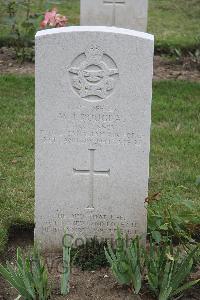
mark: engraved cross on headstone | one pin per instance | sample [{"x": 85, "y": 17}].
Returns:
[
  {"x": 114, "y": 3},
  {"x": 91, "y": 172}
]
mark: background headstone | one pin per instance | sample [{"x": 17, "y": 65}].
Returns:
[
  {"x": 132, "y": 14},
  {"x": 93, "y": 116}
]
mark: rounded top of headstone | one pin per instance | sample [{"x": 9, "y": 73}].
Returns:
[{"x": 105, "y": 29}]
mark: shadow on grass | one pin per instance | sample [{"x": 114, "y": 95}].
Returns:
[{"x": 19, "y": 235}]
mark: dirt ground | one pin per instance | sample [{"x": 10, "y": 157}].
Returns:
[
  {"x": 164, "y": 67},
  {"x": 84, "y": 285}
]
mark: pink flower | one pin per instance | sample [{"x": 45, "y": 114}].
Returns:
[
  {"x": 60, "y": 20},
  {"x": 52, "y": 19},
  {"x": 49, "y": 18}
]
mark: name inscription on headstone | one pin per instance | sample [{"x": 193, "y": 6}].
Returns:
[{"x": 97, "y": 126}]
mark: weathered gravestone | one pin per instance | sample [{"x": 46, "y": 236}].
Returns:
[
  {"x": 93, "y": 115},
  {"x": 131, "y": 14}
]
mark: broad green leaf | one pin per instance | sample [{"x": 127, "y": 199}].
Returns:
[
  {"x": 184, "y": 287},
  {"x": 10, "y": 276},
  {"x": 156, "y": 236}
]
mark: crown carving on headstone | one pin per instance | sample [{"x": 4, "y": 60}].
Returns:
[{"x": 94, "y": 53}]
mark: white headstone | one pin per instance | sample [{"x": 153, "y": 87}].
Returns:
[
  {"x": 132, "y": 14},
  {"x": 93, "y": 116}
]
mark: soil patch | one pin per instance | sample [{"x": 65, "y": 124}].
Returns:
[
  {"x": 84, "y": 285},
  {"x": 164, "y": 67},
  {"x": 183, "y": 69},
  {"x": 9, "y": 65}
]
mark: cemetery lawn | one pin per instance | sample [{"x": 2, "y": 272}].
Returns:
[
  {"x": 174, "y": 23},
  {"x": 175, "y": 155}
]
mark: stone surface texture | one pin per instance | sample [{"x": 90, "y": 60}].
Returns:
[
  {"x": 93, "y": 117},
  {"x": 132, "y": 14}
]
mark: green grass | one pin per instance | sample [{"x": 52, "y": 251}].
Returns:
[
  {"x": 175, "y": 155},
  {"x": 175, "y": 142},
  {"x": 174, "y": 23},
  {"x": 16, "y": 152}
]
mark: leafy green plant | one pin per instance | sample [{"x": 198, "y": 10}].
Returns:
[
  {"x": 177, "y": 53},
  {"x": 195, "y": 57},
  {"x": 172, "y": 217},
  {"x": 66, "y": 266},
  {"x": 24, "y": 19},
  {"x": 167, "y": 270},
  {"x": 23, "y": 25},
  {"x": 126, "y": 262},
  {"x": 189, "y": 248},
  {"x": 29, "y": 277}
]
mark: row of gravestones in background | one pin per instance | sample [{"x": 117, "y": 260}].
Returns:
[{"x": 132, "y": 14}]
